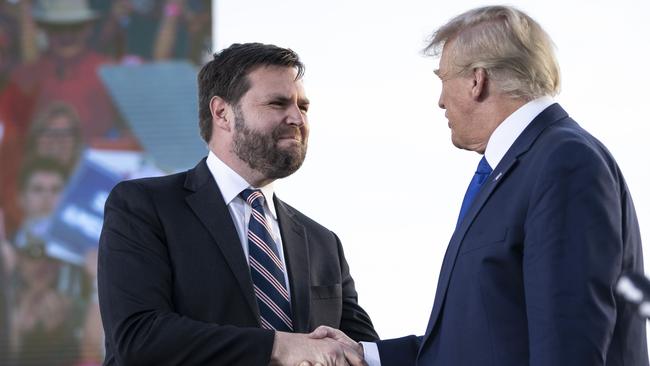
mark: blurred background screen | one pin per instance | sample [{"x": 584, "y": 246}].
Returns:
[{"x": 91, "y": 92}]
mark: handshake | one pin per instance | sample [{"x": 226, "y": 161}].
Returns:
[{"x": 324, "y": 346}]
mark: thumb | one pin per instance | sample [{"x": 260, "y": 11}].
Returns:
[{"x": 319, "y": 333}]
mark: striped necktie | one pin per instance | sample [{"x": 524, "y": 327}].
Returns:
[
  {"x": 483, "y": 170},
  {"x": 267, "y": 270}
]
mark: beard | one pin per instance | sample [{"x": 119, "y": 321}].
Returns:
[{"x": 261, "y": 151}]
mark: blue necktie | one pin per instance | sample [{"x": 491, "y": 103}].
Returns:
[
  {"x": 482, "y": 172},
  {"x": 267, "y": 270}
]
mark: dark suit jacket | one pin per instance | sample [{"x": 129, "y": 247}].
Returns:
[
  {"x": 175, "y": 287},
  {"x": 529, "y": 275}
]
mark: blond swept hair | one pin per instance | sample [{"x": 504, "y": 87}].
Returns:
[{"x": 515, "y": 51}]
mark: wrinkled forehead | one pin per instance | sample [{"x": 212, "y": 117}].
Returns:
[
  {"x": 448, "y": 64},
  {"x": 443, "y": 68}
]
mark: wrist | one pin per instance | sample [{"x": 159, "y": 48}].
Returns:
[{"x": 279, "y": 348}]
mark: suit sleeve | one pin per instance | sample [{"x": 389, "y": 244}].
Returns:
[
  {"x": 572, "y": 256},
  {"x": 355, "y": 322},
  {"x": 135, "y": 281},
  {"x": 399, "y": 351}
]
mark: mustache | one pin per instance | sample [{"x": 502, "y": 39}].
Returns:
[{"x": 284, "y": 131}]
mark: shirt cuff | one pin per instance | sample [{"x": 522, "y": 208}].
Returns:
[{"x": 371, "y": 353}]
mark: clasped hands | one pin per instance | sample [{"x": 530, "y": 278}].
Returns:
[{"x": 325, "y": 346}]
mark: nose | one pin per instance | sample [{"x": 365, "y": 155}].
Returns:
[
  {"x": 441, "y": 104},
  {"x": 297, "y": 117}
]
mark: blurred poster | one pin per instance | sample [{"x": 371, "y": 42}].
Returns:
[
  {"x": 68, "y": 135},
  {"x": 77, "y": 222},
  {"x": 159, "y": 103}
]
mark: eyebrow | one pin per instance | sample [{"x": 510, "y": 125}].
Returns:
[{"x": 284, "y": 99}]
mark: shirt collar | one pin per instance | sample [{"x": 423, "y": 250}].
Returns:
[
  {"x": 509, "y": 130},
  {"x": 232, "y": 184}
]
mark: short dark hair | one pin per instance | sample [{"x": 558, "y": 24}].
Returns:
[
  {"x": 39, "y": 165},
  {"x": 226, "y": 76}
]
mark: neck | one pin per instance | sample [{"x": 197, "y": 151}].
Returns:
[
  {"x": 252, "y": 176},
  {"x": 497, "y": 111},
  {"x": 508, "y": 106}
]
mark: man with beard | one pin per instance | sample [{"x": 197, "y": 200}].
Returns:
[{"x": 209, "y": 266}]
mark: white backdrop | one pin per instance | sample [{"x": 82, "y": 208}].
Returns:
[{"x": 381, "y": 171}]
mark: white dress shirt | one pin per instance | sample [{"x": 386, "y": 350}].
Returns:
[
  {"x": 499, "y": 143},
  {"x": 231, "y": 185},
  {"x": 507, "y": 132}
]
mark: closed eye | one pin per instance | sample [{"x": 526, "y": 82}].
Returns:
[{"x": 278, "y": 103}]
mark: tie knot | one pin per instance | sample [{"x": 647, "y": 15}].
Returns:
[
  {"x": 254, "y": 197},
  {"x": 483, "y": 167}
]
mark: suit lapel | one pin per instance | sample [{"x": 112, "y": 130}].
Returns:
[
  {"x": 294, "y": 241},
  {"x": 523, "y": 143},
  {"x": 454, "y": 244},
  {"x": 207, "y": 203}
]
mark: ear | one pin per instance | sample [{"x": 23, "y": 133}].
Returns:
[
  {"x": 219, "y": 109},
  {"x": 480, "y": 84}
]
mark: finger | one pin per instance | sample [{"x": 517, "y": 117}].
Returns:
[
  {"x": 335, "y": 334},
  {"x": 320, "y": 332},
  {"x": 340, "y": 337},
  {"x": 305, "y": 363},
  {"x": 342, "y": 362},
  {"x": 354, "y": 356}
]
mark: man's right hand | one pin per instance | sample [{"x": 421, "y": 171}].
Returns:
[
  {"x": 301, "y": 349},
  {"x": 352, "y": 349}
]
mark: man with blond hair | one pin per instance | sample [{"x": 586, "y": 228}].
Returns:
[{"x": 546, "y": 227}]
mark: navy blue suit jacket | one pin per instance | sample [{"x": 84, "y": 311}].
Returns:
[{"x": 529, "y": 274}]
